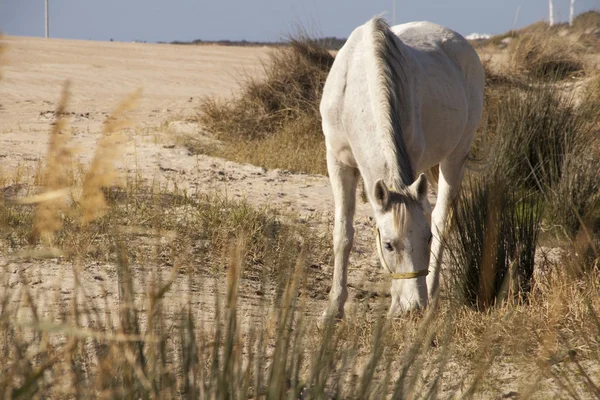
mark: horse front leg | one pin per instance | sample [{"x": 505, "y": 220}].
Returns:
[
  {"x": 343, "y": 184},
  {"x": 449, "y": 181}
]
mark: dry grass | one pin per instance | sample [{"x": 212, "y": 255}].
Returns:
[
  {"x": 275, "y": 122},
  {"x": 81, "y": 347},
  {"x": 542, "y": 167},
  {"x": 295, "y": 148},
  {"x": 591, "y": 94},
  {"x": 56, "y": 177},
  {"x": 545, "y": 145},
  {"x": 587, "y": 22},
  {"x": 504, "y": 39},
  {"x": 101, "y": 172},
  {"x": 545, "y": 55}
]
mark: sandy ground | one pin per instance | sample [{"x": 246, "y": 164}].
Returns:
[{"x": 173, "y": 79}]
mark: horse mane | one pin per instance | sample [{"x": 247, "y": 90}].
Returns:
[{"x": 391, "y": 81}]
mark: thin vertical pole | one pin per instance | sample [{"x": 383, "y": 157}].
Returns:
[
  {"x": 571, "y": 12},
  {"x": 516, "y": 17},
  {"x": 47, "y": 21},
  {"x": 551, "y": 12}
]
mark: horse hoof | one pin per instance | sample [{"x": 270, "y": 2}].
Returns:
[{"x": 329, "y": 318}]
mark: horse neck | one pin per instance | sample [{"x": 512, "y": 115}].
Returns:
[{"x": 389, "y": 90}]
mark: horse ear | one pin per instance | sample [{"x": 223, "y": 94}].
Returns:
[
  {"x": 419, "y": 188},
  {"x": 382, "y": 194}
]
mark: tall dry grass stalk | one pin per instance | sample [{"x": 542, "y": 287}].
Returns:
[
  {"x": 58, "y": 179},
  {"x": 57, "y": 176},
  {"x": 101, "y": 172}
]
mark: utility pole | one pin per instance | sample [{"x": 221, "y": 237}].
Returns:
[
  {"x": 551, "y": 12},
  {"x": 47, "y": 21},
  {"x": 516, "y": 17},
  {"x": 571, "y": 12}
]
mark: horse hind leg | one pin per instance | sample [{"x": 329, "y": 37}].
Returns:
[{"x": 344, "y": 180}]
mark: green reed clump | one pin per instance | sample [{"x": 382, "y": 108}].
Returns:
[{"x": 493, "y": 242}]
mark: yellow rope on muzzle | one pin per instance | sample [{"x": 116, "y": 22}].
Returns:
[{"x": 397, "y": 275}]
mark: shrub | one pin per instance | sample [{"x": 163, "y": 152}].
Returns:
[
  {"x": 284, "y": 106},
  {"x": 541, "y": 163},
  {"x": 591, "y": 97},
  {"x": 544, "y": 142},
  {"x": 587, "y": 22},
  {"x": 536, "y": 128},
  {"x": 575, "y": 199},
  {"x": 545, "y": 55},
  {"x": 295, "y": 76},
  {"x": 493, "y": 242}
]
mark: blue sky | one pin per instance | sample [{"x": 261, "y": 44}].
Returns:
[{"x": 260, "y": 20}]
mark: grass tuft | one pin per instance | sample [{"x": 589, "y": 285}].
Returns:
[
  {"x": 544, "y": 55},
  {"x": 493, "y": 243},
  {"x": 275, "y": 122},
  {"x": 542, "y": 170}
]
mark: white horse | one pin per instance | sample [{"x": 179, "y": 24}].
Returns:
[{"x": 397, "y": 101}]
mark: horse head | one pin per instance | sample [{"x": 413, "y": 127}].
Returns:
[{"x": 404, "y": 241}]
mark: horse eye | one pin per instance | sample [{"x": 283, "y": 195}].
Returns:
[{"x": 388, "y": 246}]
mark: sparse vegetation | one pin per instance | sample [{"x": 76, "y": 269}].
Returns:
[
  {"x": 591, "y": 94},
  {"x": 198, "y": 296},
  {"x": 575, "y": 199}
]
